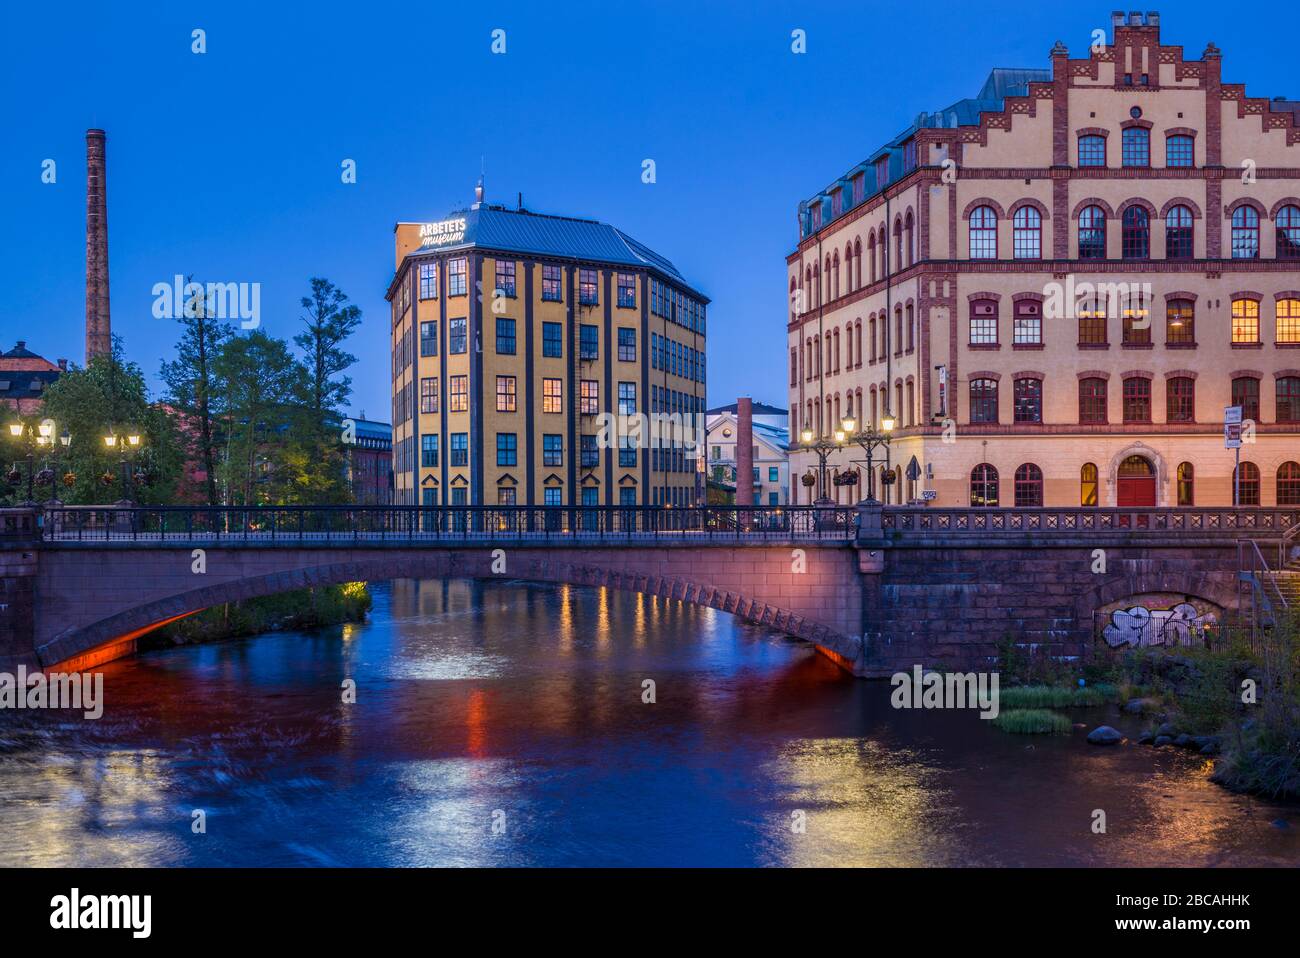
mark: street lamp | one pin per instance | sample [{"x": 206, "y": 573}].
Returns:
[
  {"x": 126, "y": 446},
  {"x": 40, "y": 437},
  {"x": 823, "y": 448},
  {"x": 871, "y": 439}
]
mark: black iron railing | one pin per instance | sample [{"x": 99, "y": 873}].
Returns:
[{"x": 271, "y": 524}]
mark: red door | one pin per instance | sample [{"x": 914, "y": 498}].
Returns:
[{"x": 1136, "y": 483}]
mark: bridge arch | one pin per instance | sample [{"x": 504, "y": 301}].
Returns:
[{"x": 738, "y": 591}]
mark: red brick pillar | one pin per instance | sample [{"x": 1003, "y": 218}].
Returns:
[
  {"x": 99, "y": 338},
  {"x": 744, "y": 451}
]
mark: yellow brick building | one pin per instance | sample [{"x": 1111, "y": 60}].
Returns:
[
  {"x": 1057, "y": 287},
  {"x": 525, "y": 347}
]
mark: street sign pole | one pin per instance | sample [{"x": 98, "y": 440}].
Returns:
[{"x": 1232, "y": 440}]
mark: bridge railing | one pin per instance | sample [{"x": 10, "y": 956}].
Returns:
[
  {"x": 289, "y": 524},
  {"x": 1253, "y": 522}
]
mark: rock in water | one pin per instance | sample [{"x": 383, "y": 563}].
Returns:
[
  {"x": 1104, "y": 735},
  {"x": 1161, "y": 740}
]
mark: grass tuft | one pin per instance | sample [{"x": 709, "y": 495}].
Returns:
[{"x": 1032, "y": 722}]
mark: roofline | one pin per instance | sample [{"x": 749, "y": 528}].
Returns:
[{"x": 540, "y": 257}]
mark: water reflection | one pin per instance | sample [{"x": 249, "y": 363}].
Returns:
[{"x": 503, "y": 723}]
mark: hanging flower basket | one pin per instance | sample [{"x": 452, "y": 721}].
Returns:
[
  {"x": 106, "y": 479},
  {"x": 809, "y": 479},
  {"x": 69, "y": 479},
  {"x": 13, "y": 475},
  {"x": 45, "y": 477}
]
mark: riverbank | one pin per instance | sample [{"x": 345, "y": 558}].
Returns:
[
  {"x": 1237, "y": 703},
  {"x": 301, "y": 609}
]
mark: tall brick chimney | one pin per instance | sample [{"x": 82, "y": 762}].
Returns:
[
  {"x": 744, "y": 451},
  {"x": 99, "y": 336}
]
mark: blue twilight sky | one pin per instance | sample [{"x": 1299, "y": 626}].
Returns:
[{"x": 227, "y": 165}]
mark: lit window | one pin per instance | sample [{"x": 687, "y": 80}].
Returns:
[
  {"x": 1245, "y": 321},
  {"x": 506, "y": 398},
  {"x": 458, "y": 394},
  {"x": 1088, "y": 484},
  {"x": 589, "y": 397},
  {"x": 984, "y": 486},
  {"x": 1180, "y": 322},
  {"x": 552, "y": 395},
  {"x": 1288, "y": 320}
]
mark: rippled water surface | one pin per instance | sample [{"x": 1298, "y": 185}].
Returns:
[{"x": 521, "y": 706}]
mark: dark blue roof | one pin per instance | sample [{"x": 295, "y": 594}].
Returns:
[
  {"x": 563, "y": 237},
  {"x": 1002, "y": 82}
]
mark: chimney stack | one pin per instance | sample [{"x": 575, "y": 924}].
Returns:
[
  {"x": 99, "y": 337},
  {"x": 744, "y": 451}
]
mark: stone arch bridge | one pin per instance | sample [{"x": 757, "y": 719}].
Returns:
[{"x": 876, "y": 589}]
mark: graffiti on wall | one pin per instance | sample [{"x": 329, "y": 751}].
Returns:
[{"x": 1145, "y": 623}]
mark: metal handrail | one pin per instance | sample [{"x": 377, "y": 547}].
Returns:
[
  {"x": 1282, "y": 544},
  {"x": 1258, "y": 563}
]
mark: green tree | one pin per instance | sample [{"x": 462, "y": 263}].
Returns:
[
  {"x": 263, "y": 390},
  {"x": 330, "y": 320},
  {"x": 108, "y": 396},
  {"x": 190, "y": 387}
]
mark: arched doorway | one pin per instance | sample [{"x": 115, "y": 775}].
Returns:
[{"x": 1135, "y": 483}]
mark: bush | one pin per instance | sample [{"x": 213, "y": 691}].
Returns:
[
  {"x": 301, "y": 609},
  {"x": 1056, "y": 696},
  {"x": 1032, "y": 722}
]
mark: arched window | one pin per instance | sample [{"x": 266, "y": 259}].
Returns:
[
  {"x": 984, "y": 486},
  {"x": 1180, "y": 399},
  {"x": 857, "y": 262},
  {"x": 898, "y": 246},
  {"x": 858, "y": 355},
  {"x": 1186, "y": 484},
  {"x": 1137, "y": 319},
  {"x": 871, "y": 253},
  {"x": 871, "y": 329},
  {"x": 1088, "y": 484},
  {"x": 794, "y": 301},
  {"x": 1288, "y": 232},
  {"x": 1136, "y": 147},
  {"x": 1092, "y": 150},
  {"x": 1247, "y": 484},
  {"x": 1029, "y": 486},
  {"x": 1180, "y": 322},
  {"x": 907, "y": 226},
  {"x": 1136, "y": 235},
  {"x": 983, "y": 233},
  {"x": 1178, "y": 150},
  {"x": 1178, "y": 233},
  {"x": 1092, "y": 233},
  {"x": 983, "y": 400},
  {"x": 911, "y": 403},
  {"x": 835, "y": 351},
  {"x": 1288, "y": 320},
  {"x": 1245, "y": 233},
  {"x": 1027, "y": 233},
  {"x": 848, "y": 346},
  {"x": 1092, "y": 401},
  {"x": 835, "y": 268},
  {"x": 817, "y": 284},
  {"x": 1288, "y": 484},
  {"x": 1288, "y": 399},
  {"x": 911, "y": 328}
]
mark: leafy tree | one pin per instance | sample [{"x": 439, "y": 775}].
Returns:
[
  {"x": 329, "y": 321},
  {"x": 109, "y": 395},
  {"x": 263, "y": 392},
  {"x": 190, "y": 387}
]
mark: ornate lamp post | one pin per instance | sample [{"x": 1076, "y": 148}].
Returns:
[
  {"x": 126, "y": 446},
  {"x": 871, "y": 439},
  {"x": 823, "y": 447},
  {"x": 37, "y": 438}
]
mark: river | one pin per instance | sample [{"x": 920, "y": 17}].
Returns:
[{"x": 504, "y": 723}]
